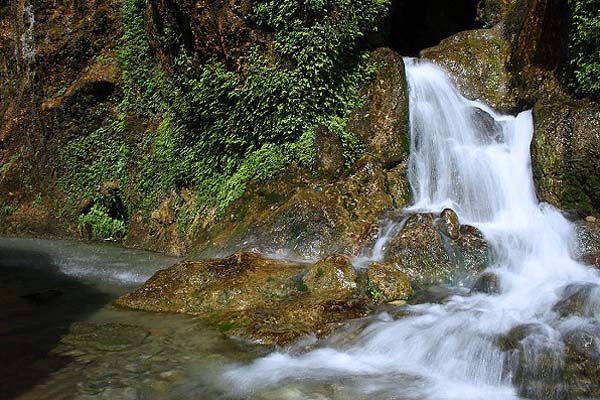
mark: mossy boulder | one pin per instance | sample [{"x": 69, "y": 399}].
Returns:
[
  {"x": 265, "y": 300},
  {"x": 386, "y": 283},
  {"x": 382, "y": 123},
  {"x": 477, "y": 61},
  {"x": 427, "y": 256},
  {"x": 332, "y": 274},
  {"x": 566, "y": 155}
]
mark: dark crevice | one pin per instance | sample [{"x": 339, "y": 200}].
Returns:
[{"x": 416, "y": 25}]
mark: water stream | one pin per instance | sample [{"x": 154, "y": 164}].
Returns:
[{"x": 476, "y": 161}]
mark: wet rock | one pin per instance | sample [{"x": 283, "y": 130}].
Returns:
[
  {"x": 487, "y": 282},
  {"x": 450, "y": 225},
  {"x": 512, "y": 339},
  {"x": 566, "y": 155},
  {"x": 312, "y": 219},
  {"x": 330, "y": 153},
  {"x": 477, "y": 60},
  {"x": 582, "y": 300},
  {"x": 534, "y": 360},
  {"x": 582, "y": 363},
  {"x": 588, "y": 242},
  {"x": 386, "y": 283},
  {"x": 429, "y": 257},
  {"x": 334, "y": 273},
  {"x": 382, "y": 123},
  {"x": 269, "y": 301}
]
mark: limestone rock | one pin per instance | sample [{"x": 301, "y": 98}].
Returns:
[
  {"x": 269, "y": 301},
  {"x": 477, "y": 60}
]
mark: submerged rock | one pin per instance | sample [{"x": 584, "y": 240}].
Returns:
[{"x": 487, "y": 282}]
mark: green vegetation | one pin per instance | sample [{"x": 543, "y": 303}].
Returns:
[
  {"x": 202, "y": 126},
  {"x": 7, "y": 209},
  {"x": 101, "y": 224},
  {"x": 585, "y": 46}
]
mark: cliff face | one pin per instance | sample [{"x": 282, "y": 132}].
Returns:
[
  {"x": 59, "y": 80},
  {"x": 195, "y": 122}
]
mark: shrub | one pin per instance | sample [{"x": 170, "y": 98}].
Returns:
[
  {"x": 585, "y": 46},
  {"x": 102, "y": 225}
]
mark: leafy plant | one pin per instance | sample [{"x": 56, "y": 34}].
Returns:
[
  {"x": 211, "y": 129},
  {"x": 585, "y": 46},
  {"x": 101, "y": 224}
]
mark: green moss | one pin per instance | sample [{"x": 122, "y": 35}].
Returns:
[{"x": 214, "y": 130}]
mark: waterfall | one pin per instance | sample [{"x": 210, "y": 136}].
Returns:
[
  {"x": 25, "y": 42},
  {"x": 476, "y": 161}
]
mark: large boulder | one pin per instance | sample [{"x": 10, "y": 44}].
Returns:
[
  {"x": 266, "y": 300},
  {"x": 477, "y": 61},
  {"x": 428, "y": 256},
  {"x": 382, "y": 123},
  {"x": 566, "y": 155}
]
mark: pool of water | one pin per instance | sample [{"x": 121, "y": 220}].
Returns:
[{"x": 61, "y": 338}]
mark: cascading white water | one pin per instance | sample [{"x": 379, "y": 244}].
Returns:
[{"x": 467, "y": 157}]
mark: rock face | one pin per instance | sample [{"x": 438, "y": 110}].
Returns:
[
  {"x": 428, "y": 256},
  {"x": 477, "y": 60},
  {"x": 566, "y": 155},
  {"x": 382, "y": 123},
  {"x": 270, "y": 301},
  {"x": 312, "y": 218}
]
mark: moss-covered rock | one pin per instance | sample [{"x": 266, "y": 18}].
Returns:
[
  {"x": 428, "y": 256},
  {"x": 382, "y": 123},
  {"x": 385, "y": 283},
  {"x": 332, "y": 274},
  {"x": 566, "y": 155},
  {"x": 270, "y": 301},
  {"x": 477, "y": 60}
]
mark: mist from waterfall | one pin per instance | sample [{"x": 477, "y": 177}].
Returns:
[{"x": 467, "y": 157}]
